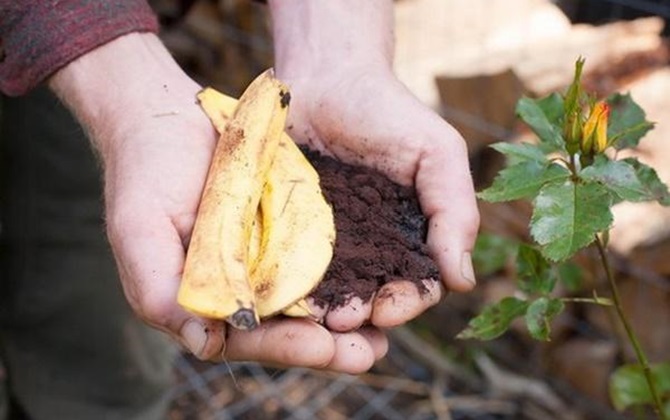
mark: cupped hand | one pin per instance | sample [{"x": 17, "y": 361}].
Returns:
[
  {"x": 156, "y": 144},
  {"x": 153, "y": 192},
  {"x": 365, "y": 116}
]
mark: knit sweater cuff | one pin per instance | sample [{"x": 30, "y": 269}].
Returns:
[{"x": 38, "y": 37}]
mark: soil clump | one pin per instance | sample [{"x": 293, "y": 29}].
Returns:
[{"x": 381, "y": 233}]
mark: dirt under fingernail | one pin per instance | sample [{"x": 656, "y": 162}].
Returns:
[{"x": 381, "y": 233}]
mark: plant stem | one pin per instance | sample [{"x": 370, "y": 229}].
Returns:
[
  {"x": 572, "y": 166},
  {"x": 599, "y": 301},
  {"x": 639, "y": 353}
]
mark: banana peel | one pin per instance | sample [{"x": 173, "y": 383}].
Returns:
[
  {"x": 299, "y": 309},
  {"x": 290, "y": 237},
  {"x": 298, "y": 232},
  {"x": 215, "y": 282}
]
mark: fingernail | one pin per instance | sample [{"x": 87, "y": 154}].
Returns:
[
  {"x": 467, "y": 271},
  {"x": 194, "y": 336}
]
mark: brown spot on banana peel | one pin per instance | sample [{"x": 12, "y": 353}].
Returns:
[
  {"x": 262, "y": 288},
  {"x": 285, "y": 98},
  {"x": 288, "y": 199}
]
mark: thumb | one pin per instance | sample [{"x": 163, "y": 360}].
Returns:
[
  {"x": 447, "y": 197},
  {"x": 150, "y": 258}
]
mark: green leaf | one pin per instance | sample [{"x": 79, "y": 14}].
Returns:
[
  {"x": 571, "y": 275},
  {"x": 520, "y": 152},
  {"x": 494, "y": 319},
  {"x": 618, "y": 176},
  {"x": 539, "y": 316},
  {"x": 534, "y": 272},
  {"x": 491, "y": 253},
  {"x": 541, "y": 117},
  {"x": 655, "y": 188},
  {"x": 628, "y": 386},
  {"x": 553, "y": 108},
  {"x": 627, "y": 122},
  {"x": 567, "y": 216},
  {"x": 523, "y": 180}
]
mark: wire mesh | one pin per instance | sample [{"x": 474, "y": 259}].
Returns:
[{"x": 248, "y": 390}]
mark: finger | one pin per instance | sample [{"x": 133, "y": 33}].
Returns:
[
  {"x": 350, "y": 316},
  {"x": 285, "y": 342},
  {"x": 353, "y": 353},
  {"x": 150, "y": 257},
  {"x": 400, "y": 301},
  {"x": 377, "y": 339},
  {"x": 205, "y": 339},
  {"x": 447, "y": 197},
  {"x": 319, "y": 309}
]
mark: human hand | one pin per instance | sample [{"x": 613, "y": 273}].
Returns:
[
  {"x": 336, "y": 58},
  {"x": 156, "y": 145}
]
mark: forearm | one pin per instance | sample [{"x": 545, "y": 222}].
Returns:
[
  {"x": 313, "y": 37},
  {"x": 120, "y": 83}
]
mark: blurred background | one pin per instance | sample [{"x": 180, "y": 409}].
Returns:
[{"x": 471, "y": 61}]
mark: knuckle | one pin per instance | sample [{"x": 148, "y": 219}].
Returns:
[
  {"x": 120, "y": 222},
  {"x": 471, "y": 223},
  {"x": 154, "y": 308}
]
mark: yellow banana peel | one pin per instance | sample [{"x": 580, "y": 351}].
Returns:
[
  {"x": 298, "y": 232},
  {"x": 289, "y": 240},
  {"x": 215, "y": 283},
  {"x": 299, "y": 309}
]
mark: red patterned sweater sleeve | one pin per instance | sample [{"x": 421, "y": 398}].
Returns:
[{"x": 38, "y": 37}]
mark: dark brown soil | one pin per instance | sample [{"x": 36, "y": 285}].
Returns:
[{"x": 381, "y": 233}]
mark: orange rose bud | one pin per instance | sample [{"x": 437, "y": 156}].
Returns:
[
  {"x": 594, "y": 135},
  {"x": 601, "y": 129}
]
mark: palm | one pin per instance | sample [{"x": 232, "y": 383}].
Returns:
[
  {"x": 374, "y": 121},
  {"x": 153, "y": 186}
]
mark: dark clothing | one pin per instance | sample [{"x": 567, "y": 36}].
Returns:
[
  {"x": 38, "y": 37},
  {"x": 70, "y": 343},
  {"x": 70, "y": 346}
]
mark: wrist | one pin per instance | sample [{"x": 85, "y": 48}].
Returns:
[
  {"x": 314, "y": 38},
  {"x": 119, "y": 83}
]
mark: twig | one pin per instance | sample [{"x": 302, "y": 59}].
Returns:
[
  {"x": 594, "y": 300},
  {"x": 425, "y": 352},
  {"x": 404, "y": 385},
  {"x": 512, "y": 385},
  {"x": 470, "y": 404},
  {"x": 438, "y": 400},
  {"x": 375, "y": 380}
]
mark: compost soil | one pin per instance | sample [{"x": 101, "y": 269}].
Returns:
[{"x": 381, "y": 233}]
